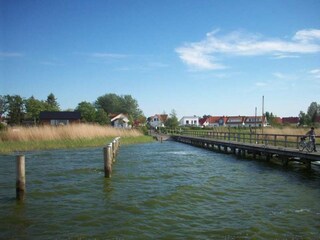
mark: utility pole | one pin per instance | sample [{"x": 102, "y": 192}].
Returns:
[
  {"x": 255, "y": 123},
  {"x": 262, "y": 120}
]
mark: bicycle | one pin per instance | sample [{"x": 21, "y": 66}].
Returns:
[{"x": 303, "y": 144}]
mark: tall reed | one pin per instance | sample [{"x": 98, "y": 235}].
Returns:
[{"x": 74, "y": 131}]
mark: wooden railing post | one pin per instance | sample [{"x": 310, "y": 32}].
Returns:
[
  {"x": 285, "y": 141},
  {"x": 21, "y": 178}
]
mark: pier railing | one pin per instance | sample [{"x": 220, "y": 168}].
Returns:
[{"x": 289, "y": 141}]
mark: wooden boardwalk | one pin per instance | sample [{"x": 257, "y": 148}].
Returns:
[{"x": 284, "y": 154}]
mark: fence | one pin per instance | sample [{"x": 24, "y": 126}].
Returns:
[{"x": 290, "y": 141}]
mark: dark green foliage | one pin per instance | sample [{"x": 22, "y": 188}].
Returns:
[
  {"x": 88, "y": 112},
  {"x": 114, "y": 104},
  {"x": 172, "y": 121}
]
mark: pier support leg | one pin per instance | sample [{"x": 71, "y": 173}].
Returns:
[
  {"x": 21, "y": 178},
  {"x": 285, "y": 161},
  {"x": 243, "y": 153},
  {"x": 268, "y": 157},
  {"x": 307, "y": 163}
]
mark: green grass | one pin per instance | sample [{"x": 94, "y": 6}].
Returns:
[{"x": 7, "y": 147}]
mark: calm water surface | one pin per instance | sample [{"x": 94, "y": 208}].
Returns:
[{"x": 158, "y": 191}]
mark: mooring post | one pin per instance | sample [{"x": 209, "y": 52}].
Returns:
[
  {"x": 118, "y": 144},
  {"x": 107, "y": 153},
  {"x": 21, "y": 178},
  {"x": 113, "y": 150}
]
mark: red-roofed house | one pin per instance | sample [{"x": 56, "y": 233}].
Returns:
[
  {"x": 235, "y": 121},
  {"x": 157, "y": 120},
  {"x": 215, "y": 121}
]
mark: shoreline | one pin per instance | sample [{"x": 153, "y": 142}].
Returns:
[{"x": 10, "y": 147}]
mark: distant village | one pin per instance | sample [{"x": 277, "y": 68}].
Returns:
[{"x": 159, "y": 120}]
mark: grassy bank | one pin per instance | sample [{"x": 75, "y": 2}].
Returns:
[
  {"x": 72, "y": 136},
  {"x": 20, "y": 146}
]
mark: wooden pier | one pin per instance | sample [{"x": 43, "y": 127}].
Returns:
[{"x": 245, "y": 149}]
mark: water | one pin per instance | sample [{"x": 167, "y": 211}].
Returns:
[{"x": 158, "y": 191}]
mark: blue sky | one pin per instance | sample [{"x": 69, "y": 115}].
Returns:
[{"x": 196, "y": 57}]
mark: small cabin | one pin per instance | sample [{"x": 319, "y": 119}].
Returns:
[
  {"x": 120, "y": 121},
  {"x": 59, "y": 118}
]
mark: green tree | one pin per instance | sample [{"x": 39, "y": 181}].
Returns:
[
  {"x": 33, "y": 108},
  {"x": 271, "y": 119},
  {"x": 15, "y": 109},
  {"x": 102, "y": 117},
  {"x": 303, "y": 119},
  {"x": 130, "y": 106},
  {"x": 3, "y": 105},
  {"x": 52, "y": 104},
  {"x": 313, "y": 112},
  {"x": 87, "y": 110},
  {"x": 172, "y": 121},
  {"x": 112, "y": 103}
]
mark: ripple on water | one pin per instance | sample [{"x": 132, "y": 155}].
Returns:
[{"x": 168, "y": 190}]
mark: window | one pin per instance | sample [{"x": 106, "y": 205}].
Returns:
[{"x": 59, "y": 122}]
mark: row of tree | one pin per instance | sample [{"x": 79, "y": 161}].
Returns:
[{"x": 17, "y": 109}]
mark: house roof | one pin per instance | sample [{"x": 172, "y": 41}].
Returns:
[
  {"x": 290, "y": 120},
  {"x": 257, "y": 118},
  {"x": 161, "y": 117},
  {"x": 120, "y": 116},
  {"x": 194, "y": 117},
  {"x": 215, "y": 119},
  {"x": 202, "y": 120},
  {"x": 234, "y": 119},
  {"x": 48, "y": 115}
]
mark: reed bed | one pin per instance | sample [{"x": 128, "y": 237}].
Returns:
[
  {"x": 69, "y": 132},
  {"x": 285, "y": 131}
]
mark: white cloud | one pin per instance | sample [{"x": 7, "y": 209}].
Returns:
[
  {"x": 307, "y": 35},
  {"x": 315, "y": 73},
  {"x": 203, "y": 54},
  {"x": 197, "y": 58}
]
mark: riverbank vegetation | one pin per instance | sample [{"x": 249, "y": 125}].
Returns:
[
  {"x": 17, "y": 110},
  {"x": 71, "y": 136}
]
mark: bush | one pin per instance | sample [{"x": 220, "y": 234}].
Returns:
[{"x": 3, "y": 127}]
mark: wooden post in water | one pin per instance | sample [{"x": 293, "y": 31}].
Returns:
[
  {"x": 107, "y": 153},
  {"x": 113, "y": 147},
  {"x": 21, "y": 178}
]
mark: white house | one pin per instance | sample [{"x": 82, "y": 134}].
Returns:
[
  {"x": 189, "y": 121},
  {"x": 255, "y": 121},
  {"x": 120, "y": 121},
  {"x": 157, "y": 120},
  {"x": 235, "y": 121}
]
